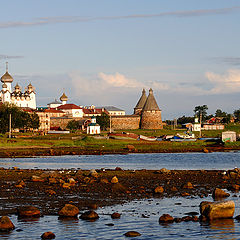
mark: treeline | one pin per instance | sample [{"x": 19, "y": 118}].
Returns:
[
  {"x": 19, "y": 119},
  {"x": 201, "y": 112}
]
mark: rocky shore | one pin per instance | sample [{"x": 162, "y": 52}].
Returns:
[
  {"x": 49, "y": 191},
  {"x": 10, "y": 152}
]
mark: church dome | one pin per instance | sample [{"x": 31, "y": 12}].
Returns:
[
  {"x": 7, "y": 78},
  {"x": 4, "y": 85},
  {"x": 64, "y": 97}
]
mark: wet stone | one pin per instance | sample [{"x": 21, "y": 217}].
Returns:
[
  {"x": 89, "y": 215},
  {"x": 68, "y": 210},
  {"x": 6, "y": 224},
  {"x": 115, "y": 215},
  {"x": 132, "y": 234},
  {"x": 166, "y": 218},
  {"x": 28, "y": 211},
  {"x": 48, "y": 235}
]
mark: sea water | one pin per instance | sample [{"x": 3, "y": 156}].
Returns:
[
  {"x": 132, "y": 213},
  {"x": 180, "y": 161}
]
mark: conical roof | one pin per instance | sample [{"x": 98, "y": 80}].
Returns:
[
  {"x": 142, "y": 100},
  {"x": 64, "y": 97},
  {"x": 151, "y": 103},
  {"x": 7, "y": 78}
]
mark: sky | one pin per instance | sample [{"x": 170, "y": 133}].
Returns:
[{"x": 104, "y": 52}]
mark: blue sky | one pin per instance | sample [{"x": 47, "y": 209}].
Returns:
[{"x": 103, "y": 52}]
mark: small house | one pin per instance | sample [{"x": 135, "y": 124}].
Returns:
[
  {"x": 229, "y": 136},
  {"x": 93, "y": 127}
]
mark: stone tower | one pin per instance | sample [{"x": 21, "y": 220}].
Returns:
[
  {"x": 151, "y": 114},
  {"x": 140, "y": 104}
]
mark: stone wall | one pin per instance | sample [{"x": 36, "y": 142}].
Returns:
[
  {"x": 151, "y": 120},
  {"x": 61, "y": 121},
  {"x": 125, "y": 122}
]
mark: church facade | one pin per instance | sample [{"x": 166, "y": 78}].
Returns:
[{"x": 24, "y": 99}]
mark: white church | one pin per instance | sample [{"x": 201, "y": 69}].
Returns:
[{"x": 18, "y": 97}]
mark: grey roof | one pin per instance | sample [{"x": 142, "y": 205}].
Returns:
[
  {"x": 112, "y": 108},
  {"x": 151, "y": 103},
  {"x": 142, "y": 100}
]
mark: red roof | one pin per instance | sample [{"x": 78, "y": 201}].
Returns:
[
  {"x": 68, "y": 106},
  {"x": 53, "y": 110}
]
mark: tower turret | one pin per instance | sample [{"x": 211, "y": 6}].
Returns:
[
  {"x": 140, "y": 103},
  {"x": 151, "y": 114}
]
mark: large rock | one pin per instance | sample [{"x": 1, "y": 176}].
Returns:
[
  {"x": 48, "y": 235},
  {"x": 115, "y": 215},
  {"x": 68, "y": 210},
  {"x": 28, "y": 211},
  {"x": 89, "y": 215},
  {"x": 159, "y": 189},
  {"x": 188, "y": 185},
  {"x": 6, "y": 224},
  {"x": 166, "y": 218},
  {"x": 217, "y": 210},
  {"x": 132, "y": 234},
  {"x": 219, "y": 193},
  {"x": 114, "y": 180}
]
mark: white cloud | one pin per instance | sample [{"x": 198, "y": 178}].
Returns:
[
  {"x": 119, "y": 80},
  {"x": 226, "y": 83}
]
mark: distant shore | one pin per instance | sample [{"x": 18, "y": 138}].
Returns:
[{"x": 59, "y": 151}]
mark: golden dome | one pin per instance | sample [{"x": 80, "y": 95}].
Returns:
[
  {"x": 7, "y": 78},
  {"x": 64, "y": 97}
]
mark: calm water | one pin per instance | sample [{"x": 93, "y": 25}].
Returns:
[
  {"x": 132, "y": 212},
  {"x": 179, "y": 161},
  {"x": 130, "y": 220}
]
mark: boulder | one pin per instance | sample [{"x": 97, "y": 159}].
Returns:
[
  {"x": 48, "y": 235},
  {"x": 114, "y": 180},
  {"x": 6, "y": 224},
  {"x": 37, "y": 179},
  {"x": 115, "y": 215},
  {"x": 166, "y": 218},
  {"x": 217, "y": 210},
  {"x": 164, "y": 170},
  {"x": 235, "y": 187},
  {"x": 174, "y": 189},
  {"x": 89, "y": 215},
  {"x": 118, "y": 187},
  {"x": 132, "y": 234},
  {"x": 219, "y": 193},
  {"x": 131, "y": 148},
  {"x": 28, "y": 211},
  {"x": 188, "y": 185},
  {"x": 159, "y": 189},
  {"x": 72, "y": 181},
  {"x": 68, "y": 210},
  {"x": 93, "y": 173}
]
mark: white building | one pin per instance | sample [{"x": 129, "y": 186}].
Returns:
[
  {"x": 93, "y": 127},
  {"x": 17, "y": 97},
  {"x": 71, "y": 110},
  {"x": 114, "y": 111}
]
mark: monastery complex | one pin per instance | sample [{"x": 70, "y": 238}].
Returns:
[{"x": 57, "y": 114}]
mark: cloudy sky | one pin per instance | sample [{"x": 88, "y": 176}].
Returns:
[{"x": 103, "y": 52}]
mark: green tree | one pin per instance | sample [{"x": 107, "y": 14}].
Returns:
[
  {"x": 220, "y": 113},
  {"x": 73, "y": 125},
  {"x": 184, "y": 119},
  {"x": 20, "y": 119},
  {"x": 34, "y": 121},
  {"x": 201, "y": 111},
  {"x": 103, "y": 121},
  {"x": 236, "y": 114}
]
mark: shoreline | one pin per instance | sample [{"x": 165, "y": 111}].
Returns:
[
  {"x": 60, "y": 151},
  {"x": 50, "y": 190}
]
